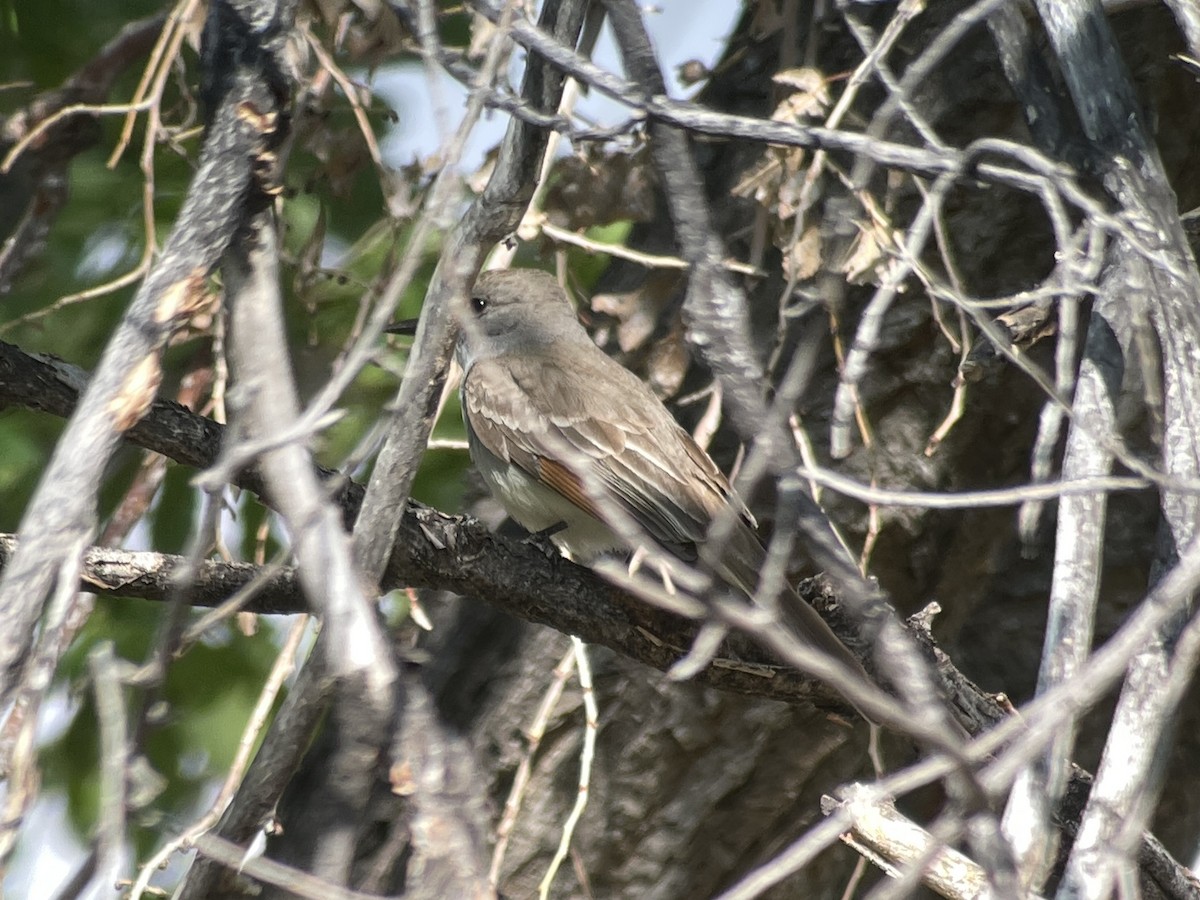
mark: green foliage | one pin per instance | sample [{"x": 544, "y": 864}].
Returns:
[
  {"x": 38, "y": 44},
  {"x": 587, "y": 266},
  {"x": 208, "y": 695},
  {"x": 170, "y": 531},
  {"x": 25, "y": 441}
]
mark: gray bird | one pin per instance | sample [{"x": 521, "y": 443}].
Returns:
[{"x": 561, "y": 432}]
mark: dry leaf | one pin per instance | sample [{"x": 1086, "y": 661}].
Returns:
[
  {"x": 635, "y": 322},
  {"x": 809, "y": 99},
  {"x": 803, "y": 260},
  {"x": 637, "y": 312},
  {"x": 597, "y": 188},
  {"x": 776, "y": 181},
  {"x": 867, "y": 261},
  {"x": 1028, "y": 324},
  {"x": 668, "y": 363}
]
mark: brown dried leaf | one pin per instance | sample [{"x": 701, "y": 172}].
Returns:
[
  {"x": 760, "y": 181},
  {"x": 803, "y": 259},
  {"x": 345, "y": 155},
  {"x": 776, "y": 181},
  {"x": 637, "y": 312},
  {"x": 193, "y": 27},
  {"x": 635, "y": 323},
  {"x": 1027, "y": 325},
  {"x": 597, "y": 188},
  {"x": 868, "y": 260},
  {"x": 809, "y": 98},
  {"x": 367, "y": 32},
  {"x": 668, "y": 363}
]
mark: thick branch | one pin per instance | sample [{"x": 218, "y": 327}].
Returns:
[
  {"x": 276, "y": 761},
  {"x": 359, "y": 657},
  {"x": 520, "y": 577},
  {"x": 1135, "y": 756},
  {"x": 717, "y": 322},
  {"x": 1079, "y": 544},
  {"x": 432, "y": 550}
]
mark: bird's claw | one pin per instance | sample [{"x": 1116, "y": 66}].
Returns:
[{"x": 541, "y": 539}]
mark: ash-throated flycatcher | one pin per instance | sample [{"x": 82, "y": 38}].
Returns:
[{"x": 561, "y": 432}]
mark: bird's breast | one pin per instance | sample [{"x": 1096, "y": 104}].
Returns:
[{"x": 537, "y": 507}]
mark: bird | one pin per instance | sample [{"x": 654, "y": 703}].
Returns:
[{"x": 565, "y": 437}]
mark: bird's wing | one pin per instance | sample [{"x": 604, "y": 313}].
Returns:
[
  {"x": 529, "y": 410},
  {"x": 525, "y": 411}
]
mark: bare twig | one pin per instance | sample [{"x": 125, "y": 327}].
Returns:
[
  {"x": 274, "y": 764},
  {"x": 1075, "y": 585},
  {"x": 43, "y": 138},
  {"x": 718, "y": 325},
  {"x": 1131, "y": 770},
  {"x": 285, "y": 662},
  {"x": 114, "y": 763},
  {"x": 456, "y": 554},
  {"x": 590, "y": 725},
  {"x": 295, "y": 882},
  {"x": 533, "y": 736}
]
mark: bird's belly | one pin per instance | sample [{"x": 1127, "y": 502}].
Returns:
[{"x": 537, "y": 507}]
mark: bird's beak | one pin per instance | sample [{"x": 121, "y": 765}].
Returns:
[{"x": 404, "y": 326}]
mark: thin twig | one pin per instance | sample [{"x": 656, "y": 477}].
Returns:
[
  {"x": 591, "y": 725},
  {"x": 533, "y": 740}
]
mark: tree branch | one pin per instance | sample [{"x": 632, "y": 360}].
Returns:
[
  {"x": 1079, "y": 545},
  {"x": 1168, "y": 284},
  {"x": 247, "y": 94},
  {"x": 520, "y": 577},
  {"x": 358, "y": 655}
]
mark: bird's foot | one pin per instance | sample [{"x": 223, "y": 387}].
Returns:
[{"x": 541, "y": 539}]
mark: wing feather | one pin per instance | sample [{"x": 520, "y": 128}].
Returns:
[{"x": 528, "y": 409}]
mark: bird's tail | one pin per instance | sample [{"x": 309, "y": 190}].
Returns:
[{"x": 741, "y": 563}]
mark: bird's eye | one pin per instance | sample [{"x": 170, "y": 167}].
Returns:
[{"x": 478, "y": 305}]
